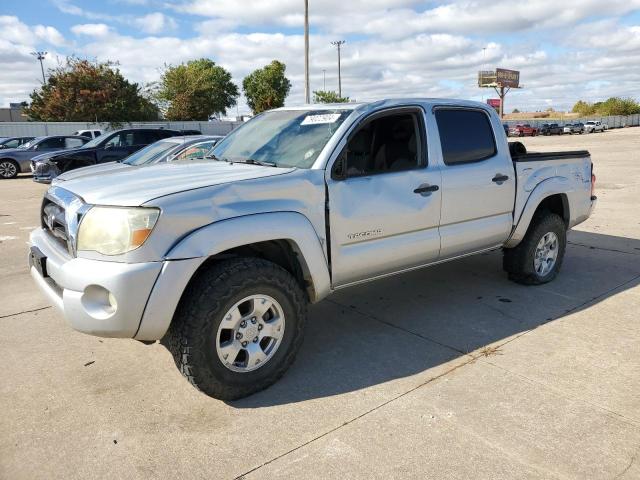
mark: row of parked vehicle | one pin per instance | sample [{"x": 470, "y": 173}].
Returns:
[
  {"x": 51, "y": 156},
  {"x": 526, "y": 130}
]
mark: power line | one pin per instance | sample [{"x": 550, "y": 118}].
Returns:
[
  {"x": 40, "y": 56},
  {"x": 338, "y": 44}
]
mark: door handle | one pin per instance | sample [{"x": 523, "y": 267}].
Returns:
[
  {"x": 425, "y": 189},
  {"x": 499, "y": 178}
]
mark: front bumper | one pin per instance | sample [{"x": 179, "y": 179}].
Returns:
[
  {"x": 43, "y": 171},
  {"x": 111, "y": 299}
]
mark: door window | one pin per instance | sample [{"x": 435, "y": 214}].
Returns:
[
  {"x": 120, "y": 140},
  {"x": 51, "y": 143},
  {"x": 386, "y": 144},
  {"x": 465, "y": 135},
  {"x": 73, "y": 142},
  {"x": 12, "y": 143},
  {"x": 195, "y": 151}
]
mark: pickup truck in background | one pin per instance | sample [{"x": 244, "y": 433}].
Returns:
[
  {"x": 219, "y": 259},
  {"x": 523, "y": 130},
  {"x": 593, "y": 126},
  {"x": 551, "y": 129}
]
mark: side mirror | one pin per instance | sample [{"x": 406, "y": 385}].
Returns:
[{"x": 339, "y": 169}]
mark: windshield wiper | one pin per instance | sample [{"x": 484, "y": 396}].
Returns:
[{"x": 251, "y": 161}]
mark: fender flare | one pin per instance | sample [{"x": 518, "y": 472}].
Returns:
[
  {"x": 188, "y": 254},
  {"x": 292, "y": 227},
  {"x": 548, "y": 187}
]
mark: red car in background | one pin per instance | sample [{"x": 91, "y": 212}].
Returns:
[{"x": 523, "y": 130}]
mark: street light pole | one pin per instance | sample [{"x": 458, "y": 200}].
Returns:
[
  {"x": 338, "y": 44},
  {"x": 40, "y": 56},
  {"x": 307, "y": 92}
]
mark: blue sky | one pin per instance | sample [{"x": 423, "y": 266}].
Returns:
[{"x": 569, "y": 50}]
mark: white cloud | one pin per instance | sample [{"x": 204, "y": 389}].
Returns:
[
  {"x": 91, "y": 29},
  {"x": 155, "y": 23}
]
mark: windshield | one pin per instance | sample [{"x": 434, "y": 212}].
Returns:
[
  {"x": 30, "y": 143},
  {"x": 284, "y": 138},
  {"x": 96, "y": 141},
  {"x": 150, "y": 153}
]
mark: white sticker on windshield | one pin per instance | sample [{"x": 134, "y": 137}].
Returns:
[{"x": 320, "y": 119}]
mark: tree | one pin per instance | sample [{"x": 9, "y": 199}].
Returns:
[
  {"x": 84, "y": 91},
  {"x": 267, "y": 87},
  {"x": 328, "y": 96},
  {"x": 515, "y": 110},
  {"x": 611, "y": 106},
  {"x": 195, "y": 90}
]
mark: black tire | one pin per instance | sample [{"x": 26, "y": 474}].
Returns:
[
  {"x": 9, "y": 168},
  {"x": 192, "y": 336},
  {"x": 518, "y": 262}
]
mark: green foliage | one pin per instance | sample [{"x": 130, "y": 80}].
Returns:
[
  {"x": 195, "y": 90},
  {"x": 612, "y": 106},
  {"x": 267, "y": 87},
  {"x": 328, "y": 96},
  {"x": 82, "y": 91},
  {"x": 515, "y": 110}
]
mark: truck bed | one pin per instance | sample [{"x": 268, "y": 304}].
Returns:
[{"x": 519, "y": 154}]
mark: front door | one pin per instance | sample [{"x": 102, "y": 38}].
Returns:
[{"x": 384, "y": 199}]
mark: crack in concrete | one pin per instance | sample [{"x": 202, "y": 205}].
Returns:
[
  {"x": 25, "y": 311},
  {"x": 471, "y": 358},
  {"x": 591, "y": 247},
  {"x": 633, "y": 459}
]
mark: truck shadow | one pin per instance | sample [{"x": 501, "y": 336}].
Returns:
[{"x": 404, "y": 325}]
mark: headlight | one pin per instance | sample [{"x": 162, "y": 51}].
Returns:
[{"x": 113, "y": 230}]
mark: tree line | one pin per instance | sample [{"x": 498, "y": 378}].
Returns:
[
  {"x": 611, "y": 106},
  {"x": 81, "y": 90}
]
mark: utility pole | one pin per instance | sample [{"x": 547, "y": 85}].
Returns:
[
  {"x": 307, "y": 92},
  {"x": 484, "y": 61},
  {"x": 338, "y": 44},
  {"x": 40, "y": 56}
]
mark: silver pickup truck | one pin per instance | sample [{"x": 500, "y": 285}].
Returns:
[{"x": 219, "y": 259}]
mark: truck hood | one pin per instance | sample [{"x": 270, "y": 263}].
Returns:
[
  {"x": 137, "y": 185},
  {"x": 99, "y": 169}
]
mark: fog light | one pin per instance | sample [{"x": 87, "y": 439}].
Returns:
[{"x": 99, "y": 302}]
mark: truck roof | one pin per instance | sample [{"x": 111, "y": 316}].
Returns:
[{"x": 390, "y": 102}]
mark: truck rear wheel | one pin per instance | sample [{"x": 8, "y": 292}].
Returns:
[
  {"x": 238, "y": 327},
  {"x": 538, "y": 257}
]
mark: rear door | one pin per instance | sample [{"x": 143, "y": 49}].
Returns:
[
  {"x": 384, "y": 198},
  {"x": 478, "y": 184}
]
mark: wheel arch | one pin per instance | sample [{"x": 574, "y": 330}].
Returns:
[{"x": 549, "y": 195}]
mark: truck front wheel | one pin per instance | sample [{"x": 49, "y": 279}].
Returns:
[
  {"x": 538, "y": 258},
  {"x": 238, "y": 327}
]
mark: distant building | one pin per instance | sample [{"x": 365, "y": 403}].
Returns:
[{"x": 13, "y": 113}]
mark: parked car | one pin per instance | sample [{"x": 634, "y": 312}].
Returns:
[
  {"x": 593, "y": 126},
  {"x": 523, "y": 130},
  {"x": 191, "y": 132},
  {"x": 108, "y": 147},
  {"x": 17, "y": 160},
  {"x": 89, "y": 133},
  {"x": 506, "y": 128},
  {"x": 551, "y": 129},
  {"x": 572, "y": 128},
  {"x": 167, "y": 150},
  {"x": 220, "y": 258},
  {"x": 13, "y": 142}
]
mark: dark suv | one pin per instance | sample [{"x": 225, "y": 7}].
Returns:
[
  {"x": 111, "y": 146},
  {"x": 551, "y": 129}
]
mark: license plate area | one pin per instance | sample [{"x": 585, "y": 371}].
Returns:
[{"x": 39, "y": 261}]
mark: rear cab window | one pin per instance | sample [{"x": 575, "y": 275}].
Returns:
[{"x": 466, "y": 135}]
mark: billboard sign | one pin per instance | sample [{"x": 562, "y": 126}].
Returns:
[
  {"x": 507, "y": 78},
  {"x": 494, "y": 102}
]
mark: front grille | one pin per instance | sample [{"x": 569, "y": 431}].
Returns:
[{"x": 54, "y": 222}]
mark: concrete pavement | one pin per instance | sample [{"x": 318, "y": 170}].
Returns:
[{"x": 448, "y": 372}]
